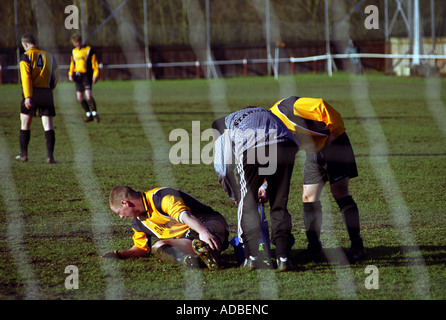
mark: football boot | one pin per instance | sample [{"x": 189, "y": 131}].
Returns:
[{"x": 205, "y": 253}]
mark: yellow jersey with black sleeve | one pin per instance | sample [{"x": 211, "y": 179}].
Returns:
[
  {"x": 38, "y": 69},
  {"x": 84, "y": 61},
  {"x": 311, "y": 120},
  {"x": 162, "y": 219}
]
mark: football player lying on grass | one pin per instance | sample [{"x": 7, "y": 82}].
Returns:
[{"x": 188, "y": 230}]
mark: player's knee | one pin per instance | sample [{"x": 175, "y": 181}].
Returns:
[
  {"x": 309, "y": 197},
  {"x": 346, "y": 203},
  {"x": 340, "y": 190},
  {"x": 79, "y": 96},
  {"x": 312, "y": 192}
]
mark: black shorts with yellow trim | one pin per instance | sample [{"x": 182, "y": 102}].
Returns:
[
  {"x": 43, "y": 103},
  {"x": 333, "y": 163}
]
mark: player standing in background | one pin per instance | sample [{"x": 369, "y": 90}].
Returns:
[
  {"x": 38, "y": 72},
  {"x": 84, "y": 71},
  {"x": 320, "y": 131}
]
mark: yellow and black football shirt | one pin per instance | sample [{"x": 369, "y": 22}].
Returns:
[
  {"x": 311, "y": 120},
  {"x": 163, "y": 216},
  {"x": 84, "y": 61},
  {"x": 38, "y": 69}
]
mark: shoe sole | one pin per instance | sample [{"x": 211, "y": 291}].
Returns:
[{"x": 205, "y": 253}]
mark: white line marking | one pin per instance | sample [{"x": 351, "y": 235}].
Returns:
[
  {"x": 384, "y": 174},
  {"x": 16, "y": 224}
]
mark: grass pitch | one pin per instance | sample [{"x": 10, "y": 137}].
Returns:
[{"x": 54, "y": 216}]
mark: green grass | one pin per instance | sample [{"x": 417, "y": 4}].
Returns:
[{"x": 59, "y": 220}]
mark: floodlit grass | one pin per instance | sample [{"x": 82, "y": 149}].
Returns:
[{"x": 58, "y": 221}]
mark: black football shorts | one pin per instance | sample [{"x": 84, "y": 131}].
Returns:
[
  {"x": 43, "y": 103},
  {"x": 333, "y": 163},
  {"x": 83, "y": 81},
  {"x": 216, "y": 226}
]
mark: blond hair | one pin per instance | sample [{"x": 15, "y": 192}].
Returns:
[
  {"x": 76, "y": 38},
  {"x": 120, "y": 193},
  {"x": 28, "y": 38}
]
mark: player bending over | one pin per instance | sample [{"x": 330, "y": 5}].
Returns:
[
  {"x": 244, "y": 140},
  {"x": 320, "y": 131}
]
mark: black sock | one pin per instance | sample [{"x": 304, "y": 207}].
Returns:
[
  {"x": 350, "y": 216},
  {"x": 170, "y": 254},
  {"x": 92, "y": 104},
  {"x": 24, "y": 137},
  {"x": 313, "y": 223},
  {"x": 50, "y": 140},
  {"x": 85, "y": 106}
]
